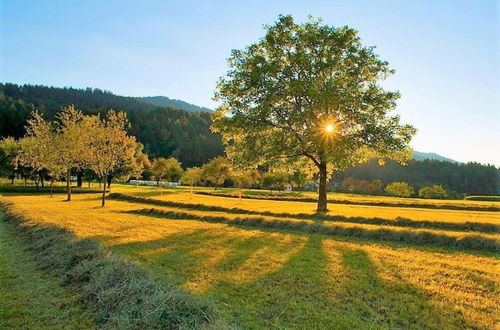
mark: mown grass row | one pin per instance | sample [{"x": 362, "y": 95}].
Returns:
[
  {"x": 483, "y": 198},
  {"x": 122, "y": 295},
  {"x": 469, "y": 242},
  {"x": 399, "y": 222},
  {"x": 354, "y": 202}
]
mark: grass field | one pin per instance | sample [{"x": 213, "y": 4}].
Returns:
[
  {"x": 274, "y": 277},
  {"x": 31, "y": 299},
  {"x": 472, "y": 200}
]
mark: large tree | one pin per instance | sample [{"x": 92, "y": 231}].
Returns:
[{"x": 308, "y": 91}]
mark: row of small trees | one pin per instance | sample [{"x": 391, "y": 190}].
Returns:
[
  {"x": 101, "y": 148},
  {"x": 218, "y": 170},
  {"x": 403, "y": 189},
  {"x": 399, "y": 189},
  {"x": 74, "y": 141}
]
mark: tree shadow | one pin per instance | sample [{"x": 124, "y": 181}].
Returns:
[
  {"x": 197, "y": 260},
  {"x": 307, "y": 292},
  {"x": 259, "y": 281},
  {"x": 388, "y": 303}
]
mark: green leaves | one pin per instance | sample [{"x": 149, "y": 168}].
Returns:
[{"x": 279, "y": 91}]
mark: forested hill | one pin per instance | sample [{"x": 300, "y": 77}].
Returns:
[
  {"x": 164, "y": 131},
  {"x": 179, "y": 104},
  {"x": 469, "y": 178},
  {"x": 417, "y": 155}
]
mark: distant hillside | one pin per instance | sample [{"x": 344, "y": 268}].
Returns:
[
  {"x": 417, "y": 155},
  {"x": 165, "y": 101}
]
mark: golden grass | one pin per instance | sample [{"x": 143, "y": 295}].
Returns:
[
  {"x": 385, "y": 212},
  {"x": 265, "y": 278}
]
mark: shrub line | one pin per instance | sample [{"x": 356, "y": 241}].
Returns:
[
  {"x": 341, "y": 201},
  {"x": 398, "y": 222},
  {"x": 123, "y": 295}
]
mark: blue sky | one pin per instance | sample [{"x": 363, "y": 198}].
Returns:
[{"x": 446, "y": 54}]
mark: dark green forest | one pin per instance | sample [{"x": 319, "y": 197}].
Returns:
[
  {"x": 164, "y": 131},
  {"x": 167, "y": 131},
  {"x": 469, "y": 178}
]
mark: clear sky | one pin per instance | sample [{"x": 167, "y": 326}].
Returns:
[{"x": 445, "y": 52}]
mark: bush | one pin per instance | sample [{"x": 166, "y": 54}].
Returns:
[
  {"x": 353, "y": 185},
  {"x": 400, "y": 189},
  {"x": 435, "y": 191}
]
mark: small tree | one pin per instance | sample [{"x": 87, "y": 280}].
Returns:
[
  {"x": 192, "y": 176},
  {"x": 300, "y": 177},
  {"x": 110, "y": 145},
  {"x": 31, "y": 155},
  {"x": 140, "y": 162},
  {"x": 274, "y": 180},
  {"x": 375, "y": 186},
  {"x": 435, "y": 191},
  {"x": 131, "y": 167},
  {"x": 169, "y": 169},
  {"x": 9, "y": 149},
  {"x": 40, "y": 149},
  {"x": 217, "y": 171},
  {"x": 74, "y": 131},
  {"x": 255, "y": 177},
  {"x": 400, "y": 189}
]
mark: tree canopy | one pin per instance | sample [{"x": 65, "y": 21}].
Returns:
[{"x": 308, "y": 91}]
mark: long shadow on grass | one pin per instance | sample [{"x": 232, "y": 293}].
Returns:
[
  {"x": 306, "y": 292},
  {"x": 195, "y": 260},
  {"x": 399, "y": 222},
  {"x": 387, "y": 304},
  {"x": 468, "y": 243}
]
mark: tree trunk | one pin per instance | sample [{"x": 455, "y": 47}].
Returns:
[
  {"x": 104, "y": 190},
  {"x": 79, "y": 178},
  {"x": 12, "y": 179},
  {"x": 51, "y": 185},
  {"x": 41, "y": 180},
  {"x": 110, "y": 177},
  {"x": 68, "y": 184},
  {"x": 322, "y": 200}
]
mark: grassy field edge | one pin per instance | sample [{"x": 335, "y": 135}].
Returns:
[
  {"x": 32, "y": 299},
  {"x": 121, "y": 294}
]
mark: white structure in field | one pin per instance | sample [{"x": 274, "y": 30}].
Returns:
[
  {"x": 153, "y": 183},
  {"x": 288, "y": 187}
]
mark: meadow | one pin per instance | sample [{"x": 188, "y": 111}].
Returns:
[{"x": 268, "y": 263}]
